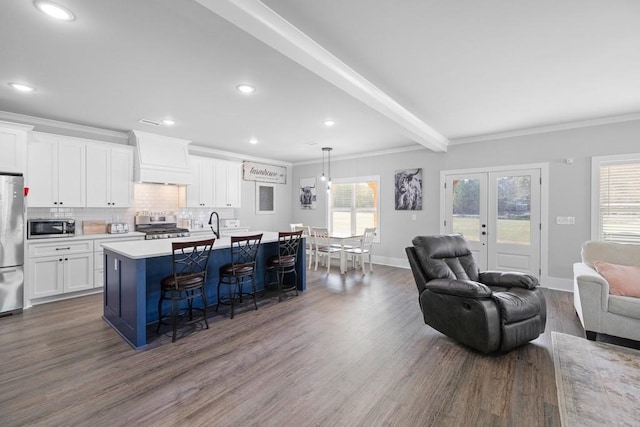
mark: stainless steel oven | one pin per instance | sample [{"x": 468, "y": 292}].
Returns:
[{"x": 44, "y": 228}]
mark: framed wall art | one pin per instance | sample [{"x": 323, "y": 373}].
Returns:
[
  {"x": 408, "y": 189},
  {"x": 307, "y": 193}
]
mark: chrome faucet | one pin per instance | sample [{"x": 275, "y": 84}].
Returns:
[{"x": 216, "y": 232}]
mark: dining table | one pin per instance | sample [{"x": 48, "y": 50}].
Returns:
[{"x": 342, "y": 240}]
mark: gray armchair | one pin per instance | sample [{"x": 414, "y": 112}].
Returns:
[{"x": 489, "y": 311}]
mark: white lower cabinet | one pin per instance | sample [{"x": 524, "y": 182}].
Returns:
[
  {"x": 55, "y": 269},
  {"x": 62, "y": 267},
  {"x": 77, "y": 273}
]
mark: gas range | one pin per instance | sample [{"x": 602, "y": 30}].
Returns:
[{"x": 159, "y": 226}]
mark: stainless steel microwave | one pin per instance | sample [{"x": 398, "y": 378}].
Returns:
[{"x": 45, "y": 228}]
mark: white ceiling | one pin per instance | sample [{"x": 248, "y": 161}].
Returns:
[{"x": 462, "y": 69}]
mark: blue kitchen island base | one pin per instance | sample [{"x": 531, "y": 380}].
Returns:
[{"x": 132, "y": 284}]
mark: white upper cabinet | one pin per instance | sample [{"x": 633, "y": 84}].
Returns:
[
  {"x": 13, "y": 147},
  {"x": 56, "y": 169},
  {"x": 228, "y": 184},
  {"x": 216, "y": 183},
  {"x": 109, "y": 175},
  {"x": 201, "y": 193}
]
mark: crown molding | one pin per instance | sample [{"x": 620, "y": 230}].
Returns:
[
  {"x": 229, "y": 155},
  {"x": 18, "y": 126},
  {"x": 550, "y": 128},
  {"x": 35, "y": 121}
]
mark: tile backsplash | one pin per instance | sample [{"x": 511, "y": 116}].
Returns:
[{"x": 146, "y": 197}]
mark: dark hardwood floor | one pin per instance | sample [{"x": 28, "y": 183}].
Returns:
[{"x": 350, "y": 351}]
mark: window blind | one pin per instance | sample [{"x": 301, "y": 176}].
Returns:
[
  {"x": 619, "y": 205},
  {"x": 354, "y": 205}
]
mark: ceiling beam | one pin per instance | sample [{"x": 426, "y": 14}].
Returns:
[{"x": 257, "y": 19}]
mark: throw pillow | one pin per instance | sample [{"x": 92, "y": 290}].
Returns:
[{"x": 624, "y": 280}]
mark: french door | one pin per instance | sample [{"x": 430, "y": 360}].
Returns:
[{"x": 498, "y": 213}]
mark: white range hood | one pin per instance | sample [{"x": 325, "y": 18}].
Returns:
[{"x": 161, "y": 159}]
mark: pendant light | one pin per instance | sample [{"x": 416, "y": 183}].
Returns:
[{"x": 328, "y": 151}]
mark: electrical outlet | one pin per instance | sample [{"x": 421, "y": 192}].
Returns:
[
  {"x": 571, "y": 220},
  {"x": 413, "y": 217}
]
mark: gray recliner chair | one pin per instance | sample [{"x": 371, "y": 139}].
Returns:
[{"x": 491, "y": 311}]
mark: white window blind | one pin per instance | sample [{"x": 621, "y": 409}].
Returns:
[
  {"x": 619, "y": 199},
  {"x": 354, "y": 205}
]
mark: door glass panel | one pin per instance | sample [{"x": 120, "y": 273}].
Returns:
[
  {"x": 466, "y": 208},
  {"x": 514, "y": 210}
]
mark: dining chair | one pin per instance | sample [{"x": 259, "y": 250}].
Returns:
[
  {"x": 190, "y": 264},
  {"x": 309, "y": 249},
  {"x": 239, "y": 271},
  {"x": 284, "y": 263},
  {"x": 365, "y": 248},
  {"x": 322, "y": 246},
  {"x": 294, "y": 225}
]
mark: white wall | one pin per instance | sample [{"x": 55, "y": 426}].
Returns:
[{"x": 569, "y": 186}]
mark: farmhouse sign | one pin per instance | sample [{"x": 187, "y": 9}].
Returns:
[{"x": 264, "y": 173}]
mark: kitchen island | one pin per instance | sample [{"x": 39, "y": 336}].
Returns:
[{"x": 133, "y": 271}]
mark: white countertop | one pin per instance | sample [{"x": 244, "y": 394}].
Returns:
[
  {"x": 86, "y": 237},
  {"x": 140, "y": 249}
]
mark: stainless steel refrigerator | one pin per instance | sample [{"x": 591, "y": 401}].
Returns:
[{"x": 11, "y": 243}]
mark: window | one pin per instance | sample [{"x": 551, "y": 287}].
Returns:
[
  {"x": 354, "y": 205},
  {"x": 615, "y": 200}
]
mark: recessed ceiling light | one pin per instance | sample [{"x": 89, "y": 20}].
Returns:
[
  {"x": 329, "y": 123},
  {"x": 168, "y": 122},
  {"x": 245, "y": 88},
  {"x": 253, "y": 141},
  {"x": 54, "y": 10},
  {"x": 22, "y": 87}
]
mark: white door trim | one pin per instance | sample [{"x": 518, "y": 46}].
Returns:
[{"x": 544, "y": 203}]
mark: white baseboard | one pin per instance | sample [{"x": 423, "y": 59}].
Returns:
[
  {"x": 37, "y": 301},
  {"x": 391, "y": 262},
  {"x": 557, "y": 283}
]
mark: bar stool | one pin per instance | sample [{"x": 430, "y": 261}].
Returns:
[
  {"x": 190, "y": 261},
  {"x": 241, "y": 270},
  {"x": 285, "y": 262}
]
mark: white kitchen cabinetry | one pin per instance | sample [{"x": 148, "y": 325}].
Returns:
[
  {"x": 56, "y": 169},
  {"x": 216, "y": 183},
  {"x": 109, "y": 175},
  {"x": 227, "y": 184},
  {"x": 13, "y": 147},
  {"x": 201, "y": 193},
  {"x": 57, "y": 268}
]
